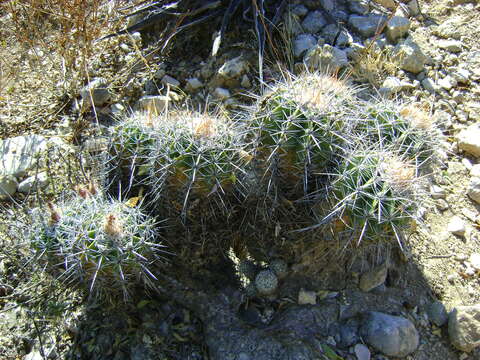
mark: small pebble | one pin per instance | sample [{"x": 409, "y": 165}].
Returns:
[
  {"x": 221, "y": 93},
  {"x": 475, "y": 170},
  {"x": 437, "y": 192},
  {"x": 362, "y": 352},
  {"x": 442, "y": 204},
  {"x": 456, "y": 226},
  {"x": 475, "y": 261}
]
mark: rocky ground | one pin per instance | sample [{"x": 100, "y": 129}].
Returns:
[{"x": 421, "y": 302}]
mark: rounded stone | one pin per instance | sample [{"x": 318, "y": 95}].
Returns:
[
  {"x": 437, "y": 313},
  {"x": 314, "y": 22},
  {"x": 8, "y": 186},
  {"x": 474, "y": 189},
  {"x": 464, "y": 327},
  {"x": 391, "y": 335},
  {"x": 456, "y": 226},
  {"x": 30, "y": 184}
]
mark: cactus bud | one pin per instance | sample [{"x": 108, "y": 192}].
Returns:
[
  {"x": 112, "y": 226},
  {"x": 54, "y": 214}
]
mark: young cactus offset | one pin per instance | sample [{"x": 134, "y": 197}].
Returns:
[
  {"x": 196, "y": 157},
  {"x": 376, "y": 193},
  {"x": 297, "y": 128},
  {"x": 101, "y": 244}
]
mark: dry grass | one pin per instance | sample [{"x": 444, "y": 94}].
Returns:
[
  {"x": 67, "y": 28},
  {"x": 374, "y": 66},
  {"x": 46, "y": 55}
]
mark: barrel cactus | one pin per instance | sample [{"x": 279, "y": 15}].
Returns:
[
  {"x": 376, "y": 193},
  {"x": 129, "y": 148},
  {"x": 195, "y": 157},
  {"x": 279, "y": 267},
  {"x": 297, "y": 127},
  {"x": 405, "y": 127},
  {"x": 266, "y": 282},
  {"x": 101, "y": 244}
]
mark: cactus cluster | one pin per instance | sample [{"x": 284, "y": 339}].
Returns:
[
  {"x": 359, "y": 161},
  {"x": 102, "y": 244},
  {"x": 308, "y": 135},
  {"x": 262, "y": 281}
]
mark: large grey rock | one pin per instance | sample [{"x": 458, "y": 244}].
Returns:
[
  {"x": 20, "y": 154},
  {"x": 469, "y": 140},
  {"x": 8, "y": 186},
  {"x": 464, "y": 327},
  {"x": 302, "y": 43},
  {"x": 373, "y": 278},
  {"x": 325, "y": 58},
  {"x": 367, "y": 26},
  {"x": 299, "y": 10},
  {"x": 336, "y": 36},
  {"x": 391, "y": 335},
  {"x": 31, "y": 183},
  {"x": 221, "y": 93},
  {"x": 314, "y": 22},
  {"x": 96, "y": 91},
  {"x": 437, "y": 313},
  {"x": 397, "y": 27},
  {"x": 474, "y": 189},
  {"x": 170, "y": 81},
  {"x": 358, "y": 7},
  {"x": 389, "y": 4},
  {"x": 193, "y": 84},
  {"x": 233, "y": 68},
  {"x": 410, "y": 57},
  {"x": 328, "y": 5}
]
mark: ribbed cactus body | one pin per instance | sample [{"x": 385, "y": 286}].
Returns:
[
  {"x": 297, "y": 128},
  {"x": 195, "y": 156},
  {"x": 130, "y": 145},
  {"x": 407, "y": 128},
  {"x": 375, "y": 193},
  {"x": 104, "y": 245}
]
